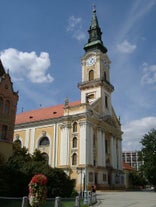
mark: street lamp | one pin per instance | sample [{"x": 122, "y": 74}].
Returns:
[
  {"x": 79, "y": 170},
  {"x": 85, "y": 201}
]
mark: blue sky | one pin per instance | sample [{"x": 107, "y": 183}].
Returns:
[{"x": 41, "y": 43}]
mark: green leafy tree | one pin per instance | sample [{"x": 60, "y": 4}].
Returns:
[
  {"x": 149, "y": 156},
  {"x": 22, "y": 166},
  {"x": 38, "y": 156},
  {"x": 137, "y": 179}
]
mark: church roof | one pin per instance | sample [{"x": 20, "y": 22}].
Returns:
[
  {"x": 42, "y": 113},
  {"x": 126, "y": 166}
]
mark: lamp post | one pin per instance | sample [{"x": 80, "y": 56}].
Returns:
[
  {"x": 79, "y": 170},
  {"x": 85, "y": 201}
]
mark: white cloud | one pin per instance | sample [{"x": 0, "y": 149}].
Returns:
[
  {"x": 75, "y": 28},
  {"x": 134, "y": 132},
  {"x": 126, "y": 47},
  {"x": 73, "y": 22},
  {"x": 149, "y": 74},
  {"x": 27, "y": 65},
  {"x": 136, "y": 14}
]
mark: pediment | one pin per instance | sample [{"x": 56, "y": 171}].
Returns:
[
  {"x": 96, "y": 105},
  {"x": 95, "y": 110}
]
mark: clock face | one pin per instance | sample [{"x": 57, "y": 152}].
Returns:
[{"x": 91, "y": 61}]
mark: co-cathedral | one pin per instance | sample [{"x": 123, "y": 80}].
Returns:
[{"x": 84, "y": 137}]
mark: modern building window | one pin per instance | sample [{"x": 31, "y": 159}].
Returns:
[
  {"x": 1, "y": 104},
  {"x": 7, "y": 107},
  {"x": 91, "y": 75},
  {"x": 74, "y": 159},
  {"x": 74, "y": 144},
  {"x": 44, "y": 141},
  {"x": 75, "y": 127},
  {"x": 4, "y": 132}
]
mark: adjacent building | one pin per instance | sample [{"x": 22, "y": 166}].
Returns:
[
  {"x": 132, "y": 158},
  {"x": 8, "y": 104},
  {"x": 127, "y": 172},
  {"x": 83, "y": 137}
]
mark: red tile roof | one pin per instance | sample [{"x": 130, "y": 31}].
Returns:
[
  {"x": 126, "y": 166},
  {"x": 42, "y": 113}
]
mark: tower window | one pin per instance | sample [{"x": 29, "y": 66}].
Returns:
[
  {"x": 75, "y": 127},
  {"x": 74, "y": 159},
  {"x": 91, "y": 75},
  {"x": 90, "y": 98},
  {"x": 106, "y": 101}
]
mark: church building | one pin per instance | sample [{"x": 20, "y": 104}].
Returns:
[{"x": 83, "y": 137}]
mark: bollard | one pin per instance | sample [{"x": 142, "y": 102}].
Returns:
[
  {"x": 93, "y": 200},
  {"x": 25, "y": 201},
  {"x": 57, "y": 202},
  {"x": 77, "y": 201}
]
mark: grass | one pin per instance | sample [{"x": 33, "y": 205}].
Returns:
[{"x": 49, "y": 203}]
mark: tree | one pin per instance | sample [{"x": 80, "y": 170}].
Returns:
[
  {"x": 137, "y": 179},
  {"x": 149, "y": 156},
  {"x": 22, "y": 166}
]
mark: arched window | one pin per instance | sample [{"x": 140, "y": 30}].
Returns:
[
  {"x": 7, "y": 107},
  {"x": 75, "y": 127},
  {"x": 91, "y": 75},
  {"x": 1, "y": 104},
  {"x": 74, "y": 159},
  {"x": 74, "y": 145},
  {"x": 44, "y": 141}
]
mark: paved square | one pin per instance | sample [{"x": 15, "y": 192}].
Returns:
[{"x": 126, "y": 199}]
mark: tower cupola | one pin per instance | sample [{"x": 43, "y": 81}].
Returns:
[{"x": 95, "y": 41}]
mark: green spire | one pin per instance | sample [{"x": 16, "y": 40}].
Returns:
[
  {"x": 94, "y": 41},
  {"x": 94, "y": 22}
]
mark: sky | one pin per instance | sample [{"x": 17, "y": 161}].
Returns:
[{"x": 41, "y": 44}]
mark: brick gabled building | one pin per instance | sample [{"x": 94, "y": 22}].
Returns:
[{"x": 8, "y": 104}]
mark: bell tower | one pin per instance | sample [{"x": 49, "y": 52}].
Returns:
[{"x": 95, "y": 84}]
